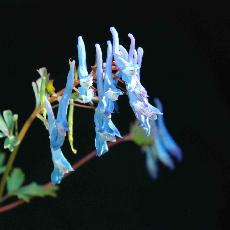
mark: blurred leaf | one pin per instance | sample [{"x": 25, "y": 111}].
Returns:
[
  {"x": 11, "y": 142},
  {"x": 9, "y": 120},
  {"x": 34, "y": 190},
  {"x": 2, "y": 159},
  {"x": 3, "y": 126},
  {"x": 2, "y": 169},
  {"x": 15, "y": 180},
  {"x": 138, "y": 135}
]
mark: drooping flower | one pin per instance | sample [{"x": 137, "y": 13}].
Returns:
[
  {"x": 163, "y": 147},
  {"x": 61, "y": 165},
  {"x": 129, "y": 63},
  {"x": 60, "y": 126},
  {"x": 156, "y": 152},
  {"x": 166, "y": 138},
  {"x": 104, "y": 127},
  {"x": 86, "y": 80},
  {"x": 151, "y": 162},
  {"x": 162, "y": 154}
]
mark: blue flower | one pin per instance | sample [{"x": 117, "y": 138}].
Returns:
[
  {"x": 59, "y": 127},
  {"x": 151, "y": 162},
  {"x": 160, "y": 149},
  {"x": 86, "y": 80},
  {"x": 129, "y": 63},
  {"x": 104, "y": 127},
  {"x": 167, "y": 140},
  {"x": 156, "y": 152},
  {"x": 61, "y": 166},
  {"x": 163, "y": 149},
  {"x": 111, "y": 93}
]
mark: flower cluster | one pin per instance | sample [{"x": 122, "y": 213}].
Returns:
[
  {"x": 129, "y": 63},
  {"x": 99, "y": 89}
]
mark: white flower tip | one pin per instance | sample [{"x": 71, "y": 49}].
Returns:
[{"x": 42, "y": 71}]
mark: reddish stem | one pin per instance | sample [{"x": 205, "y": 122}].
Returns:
[{"x": 76, "y": 166}]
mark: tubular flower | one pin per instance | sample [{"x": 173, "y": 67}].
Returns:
[
  {"x": 57, "y": 130},
  {"x": 129, "y": 63},
  {"x": 104, "y": 127},
  {"x": 166, "y": 138},
  {"x": 59, "y": 127},
  {"x": 151, "y": 162},
  {"x": 111, "y": 93},
  {"x": 61, "y": 165},
  {"x": 86, "y": 80},
  {"x": 163, "y": 147}
]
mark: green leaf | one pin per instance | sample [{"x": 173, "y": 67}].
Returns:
[
  {"x": 36, "y": 93},
  {"x": 35, "y": 190},
  {"x": 138, "y": 135},
  {"x": 11, "y": 142},
  {"x": 9, "y": 120},
  {"x": 15, "y": 180}
]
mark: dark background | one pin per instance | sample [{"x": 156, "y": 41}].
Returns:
[{"x": 186, "y": 64}]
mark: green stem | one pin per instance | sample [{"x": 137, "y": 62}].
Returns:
[{"x": 13, "y": 155}]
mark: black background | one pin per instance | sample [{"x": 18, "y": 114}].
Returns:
[{"x": 186, "y": 64}]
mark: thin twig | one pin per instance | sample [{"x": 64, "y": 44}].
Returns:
[{"x": 76, "y": 166}]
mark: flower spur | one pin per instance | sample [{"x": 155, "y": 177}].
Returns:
[
  {"x": 129, "y": 63},
  {"x": 86, "y": 80}
]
